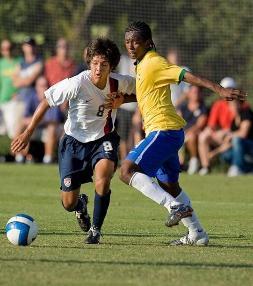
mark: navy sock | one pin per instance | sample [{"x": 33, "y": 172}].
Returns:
[
  {"x": 101, "y": 204},
  {"x": 79, "y": 205}
]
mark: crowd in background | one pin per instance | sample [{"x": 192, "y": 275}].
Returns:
[{"x": 220, "y": 132}]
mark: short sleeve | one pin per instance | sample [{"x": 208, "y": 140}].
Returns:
[
  {"x": 165, "y": 73},
  {"x": 62, "y": 91}
]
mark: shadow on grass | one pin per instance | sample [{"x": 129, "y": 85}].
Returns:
[{"x": 135, "y": 263}]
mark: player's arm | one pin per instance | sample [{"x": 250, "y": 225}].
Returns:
[
  {"x": 21, "y": 141},
  {"x": 115, "y": 99},
  {"x": 226, "y": 93}
]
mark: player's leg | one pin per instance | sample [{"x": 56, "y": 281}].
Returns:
[
  {"x": 104, "y": 162},
  {"x": 104, "y": 171},
  {"x": 72, "y": 167},
  {"x": 167, "y": 177},
  {"x": 141, "y": 165}
]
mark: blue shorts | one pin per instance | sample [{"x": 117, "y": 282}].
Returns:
[
  {"x": 157, "y": 155},
  {"x": 77, "y": 160}
]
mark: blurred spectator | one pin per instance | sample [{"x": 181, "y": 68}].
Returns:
[
  {"x": 126, "y": 112},
  {"x": 178, "y": 91},
  {"x": 82, "y": 66},
  {"x": 61, "y": 65},
  {"x": 49, "y": 129},
  {"x": 8, "y": 105},
  {"x": 219, "y": 123},
  {"x": 237, "y": 146},
  {"x": 194, "y": 112},
  {"x": 30, "y": 68}
]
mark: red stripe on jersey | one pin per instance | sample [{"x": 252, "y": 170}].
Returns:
[{"x": 114, "y": 84}]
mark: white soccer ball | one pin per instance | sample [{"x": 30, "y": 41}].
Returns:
[{"x": 21, "y": 229}]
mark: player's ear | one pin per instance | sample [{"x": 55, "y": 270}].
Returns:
[{"x": 148, "y": 44}]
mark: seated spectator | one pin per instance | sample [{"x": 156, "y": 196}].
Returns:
[
  {"x": 30, "y": 68},
  {"x": 194, "y": 112},
  {"x": 8, "y": 104},
  {"x": 218, "y": 126},
  {"x": 49, "y": 129},
  {"x": 237, "y": 146}
]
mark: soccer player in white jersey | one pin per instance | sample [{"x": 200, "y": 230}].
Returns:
[{"x": 90, "y": 143}]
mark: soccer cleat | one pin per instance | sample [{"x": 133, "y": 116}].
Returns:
[
  {"x": 82, "y": 216},
  {"x": 177, "y": 213},
  {"x": 94, "y": 235},
  {"x": 200, "y": 238}
]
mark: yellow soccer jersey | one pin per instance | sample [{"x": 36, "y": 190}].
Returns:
[{"x": 153, "y": 77}]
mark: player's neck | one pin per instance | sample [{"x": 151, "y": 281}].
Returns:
[{"x": 99, "y": 83}]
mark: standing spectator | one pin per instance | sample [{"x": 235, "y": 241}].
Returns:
[
  {"x": 8, "y": 106},
  {"x": 24, "y": 78},
  {"x": 194, "y": 112},
  {"x": 61, "y": 65},
  {"x": 237, "y": 146},
  {"x": 219, "y": 123}
]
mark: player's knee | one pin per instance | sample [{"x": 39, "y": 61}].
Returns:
[
  {"x": 124, "y": 174},
  {"x": 69, "y": 205},
  {"x": 102, "y": 186}
]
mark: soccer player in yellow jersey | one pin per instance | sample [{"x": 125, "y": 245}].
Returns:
[{"x": 157, "y": 155}]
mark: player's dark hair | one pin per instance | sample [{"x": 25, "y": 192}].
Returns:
[
  {"x": 103, "y": 47},
  {"x": 143, "y": 30}
]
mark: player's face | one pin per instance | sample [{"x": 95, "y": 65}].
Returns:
[
  {"x": 135, "y": 45},
  {"x": 100, "y": 69}
]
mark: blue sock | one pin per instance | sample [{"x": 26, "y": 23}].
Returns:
[{"x": 101, "y": 204}]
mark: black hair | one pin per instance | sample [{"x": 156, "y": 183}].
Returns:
[
  {"x": 106, "y": 48},
  {"x": 143, "y": 30}
]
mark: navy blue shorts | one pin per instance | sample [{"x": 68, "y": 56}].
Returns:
[
  {"x": 77, "y": 160},
  {"x": 157, "y": 155}
]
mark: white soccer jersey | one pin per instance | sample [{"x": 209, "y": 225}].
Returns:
[{"x": 88, "y": 120}]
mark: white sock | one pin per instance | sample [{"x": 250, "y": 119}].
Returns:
[
  {"x": 191, "y": 222},
  {"x": 152, "y": 190}
]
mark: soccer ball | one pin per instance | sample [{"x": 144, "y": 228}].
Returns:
[{"x": 21, "y": 229}]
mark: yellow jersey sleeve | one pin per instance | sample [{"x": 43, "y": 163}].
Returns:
[{"x": 164, "y": 72}]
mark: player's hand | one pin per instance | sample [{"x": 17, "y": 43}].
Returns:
[
  {"x": 20, "y": 142},
  {"x": 230, "y": 94},
  {"x": 114, "y": 100}
]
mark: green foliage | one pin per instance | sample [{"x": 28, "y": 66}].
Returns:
[
  {"x": 134, "y": 249},
  {"x": 214, "y": 37}
]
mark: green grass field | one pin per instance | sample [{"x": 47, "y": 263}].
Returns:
[{"x": 134, "y": 249}]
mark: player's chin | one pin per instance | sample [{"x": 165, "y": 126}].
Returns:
[{"x": 132, "y": 56}]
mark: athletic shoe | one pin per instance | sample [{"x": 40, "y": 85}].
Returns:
[
  {"x": 234, "y": 171},
  {"x": 193, "y": 166},
  {"x": 200, "y": 239},
  {"x": 82, "y": 216},
  {"x": 94, "y": 235},
  {"x": 204, "y": 171},
  {"x": 177, "y": 213}
]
